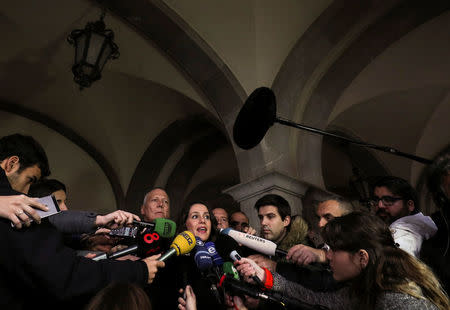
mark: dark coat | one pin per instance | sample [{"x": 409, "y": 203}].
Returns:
[
  {"x": 37, "y": 269},
  {"x": 180, "y": 271}
]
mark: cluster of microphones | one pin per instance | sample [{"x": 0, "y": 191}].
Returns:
[
  {"x": 215, "y": 262},
  {"x": 213, "y": 259}
]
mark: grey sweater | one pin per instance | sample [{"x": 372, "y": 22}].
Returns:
[{"x": 340, "y": 299}]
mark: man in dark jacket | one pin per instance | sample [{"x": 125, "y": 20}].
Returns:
[{"x": 36, "y": 267}]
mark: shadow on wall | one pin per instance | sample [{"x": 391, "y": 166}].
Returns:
[{"x": 211, "y": 194}]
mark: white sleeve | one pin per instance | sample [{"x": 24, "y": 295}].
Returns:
[{"x": 408, "y": 240}]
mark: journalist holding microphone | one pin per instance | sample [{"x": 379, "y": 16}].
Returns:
[
  {"x": 377, "y": 273},
  {"x": 36, "y": 266}
]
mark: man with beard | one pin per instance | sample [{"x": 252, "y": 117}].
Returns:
[{"x": 396, "y": 203}]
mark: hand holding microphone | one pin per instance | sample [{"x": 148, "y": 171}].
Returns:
[
  {"x": 227, "y": 246},
  {"x": 153, "y": 264},
  {"x": 116, "y": 219},
  {"x": 148, "y": 241},
  {"x": 183, "y": 243},
  {"x": 249, "y": 269}
]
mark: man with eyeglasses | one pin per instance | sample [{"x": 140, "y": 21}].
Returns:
[
  {"x": 239, "y": 221},
  {"x": 396, "y": 203}
]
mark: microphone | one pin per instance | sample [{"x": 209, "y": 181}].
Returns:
[
  {"x": 228, "y": 246},
  {"x": 184, "y": 243},
  {"x": 259, "y": 113},
  {"x": 202, "y": 257},
  {"x": 256, "y": 243},
  {"x": 230, "y": 270},
  {"x": 217, "y": 259},
  {"x": 204, "y": 262},
  {"x": 148, "y": 244},
  {"x": 256, "y": 117},
  {"x": 242, "y": 288},
  {"x": 164, "y": 227}
]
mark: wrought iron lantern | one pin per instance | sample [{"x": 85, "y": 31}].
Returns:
[{"x": 94, "y": 46}]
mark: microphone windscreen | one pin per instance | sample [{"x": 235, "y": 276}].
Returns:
[
  {"x": 217, "y": 259},
  {"x": 183, "y": 243},
  {"x": 149, "y": 243},
  {"x": 230, "y": 270},
  {"x": 202, "y": 258},
  {"x": 255, "y": 118},
  {"x": 256, "y": 243},
  {"x": 165, "y": 227}
]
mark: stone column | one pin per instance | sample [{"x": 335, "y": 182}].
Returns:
[{"x": 271, "y": 183}]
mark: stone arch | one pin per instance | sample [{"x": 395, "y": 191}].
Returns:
[
  {"x": 76, "y": 139},
  {"x": 194, "y": 133},
  {"x": 308, "y": 88},
  {"x": 195, "y": 59}
]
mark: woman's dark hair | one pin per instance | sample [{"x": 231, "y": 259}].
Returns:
[
  {"x": 120, "y": 295},
  {"x": 45, "y": 187},
  {"x": 182, "y": 218},
  {"x": 389, "y": 268}
]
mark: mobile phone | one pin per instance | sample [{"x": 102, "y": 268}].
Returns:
[{"x": 51, "y": 203}]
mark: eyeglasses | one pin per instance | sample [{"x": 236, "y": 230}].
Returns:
[
  {"x": 222, "y": 220},
  {"x": 236, "y": 223},
  {"x": 386, "y": 200}
]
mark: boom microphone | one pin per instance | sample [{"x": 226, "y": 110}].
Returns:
[
  {"x": 184, "y": 243},
  {"x": 259, "y": 113},
  {"x": 258, "y": 244},
  {"x": 256, "y": 117}
]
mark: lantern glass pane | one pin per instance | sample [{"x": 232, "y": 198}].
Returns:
[
  {"x": 95, "y": 46},
  {"x": 105, "y": 56},
  {"x": 80, "y": 46}
]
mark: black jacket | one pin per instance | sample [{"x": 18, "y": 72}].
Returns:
[{"x": 37, "y": 269}]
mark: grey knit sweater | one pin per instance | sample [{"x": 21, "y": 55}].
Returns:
[{"x": 340, "y": 299}]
